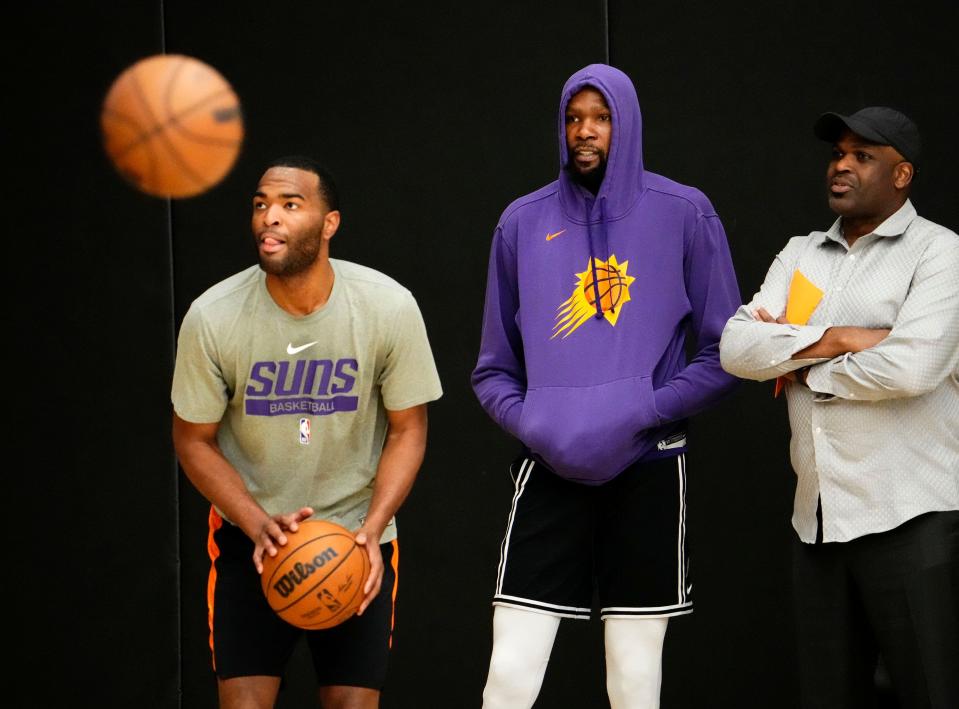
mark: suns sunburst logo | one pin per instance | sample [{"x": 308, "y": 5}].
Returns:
[{"x": 612, "y": 283}]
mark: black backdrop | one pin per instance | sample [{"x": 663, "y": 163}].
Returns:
[{"x": 432, "y": 117}]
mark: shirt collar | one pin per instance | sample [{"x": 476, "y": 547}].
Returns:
[
  {"x": 898, "y": 222},
  {"x": 894, "y": 225}
]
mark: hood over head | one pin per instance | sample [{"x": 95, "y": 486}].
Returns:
[{"x": 623, "y": 181}]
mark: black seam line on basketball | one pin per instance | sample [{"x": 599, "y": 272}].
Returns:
[
  {"x": 147, "y": 135},
  {"x": 346, "y": 605},
  {"x": 307, "y": 543},
  {"x": 179, "y": 160},
  {"x": 174, "y": 118},
  {"x": 173, "y": 153},
  {"x": 310, "y": 590},
  {"x": 122, "y": 117},
  {"x": 160, "y": 127},
  {"x": 168, "y": 89},
  {"x": 107, "y": 111},
  {"x": 151, "y": 151},
  {"x": 138, "y": 91},
  {"x": 204, "y": 140},
  {"x": 318, "y": 583},
  {"x": 116, "y": 156},
  {"x": 197, "y": 138}
]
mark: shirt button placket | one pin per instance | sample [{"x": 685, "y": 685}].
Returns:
[{"x": 820, "y": 449}]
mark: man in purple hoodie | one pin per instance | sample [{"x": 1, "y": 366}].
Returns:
[{"x": 593, "y": 282}]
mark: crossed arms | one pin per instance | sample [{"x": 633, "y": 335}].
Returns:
[{"x": 910, "y": 358}]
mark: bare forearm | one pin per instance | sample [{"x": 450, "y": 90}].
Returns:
[
  {"x": 395, "y": 475},
  {"x": 840, "y": 340},
  {"x": 220, "y": 483}
]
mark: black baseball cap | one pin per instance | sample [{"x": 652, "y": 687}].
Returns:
[{"x": 880, "y": 124}]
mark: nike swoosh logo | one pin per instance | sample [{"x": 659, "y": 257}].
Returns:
[
  {"x": 290, "y": 349},
  {"x": 550, "y": 237}
]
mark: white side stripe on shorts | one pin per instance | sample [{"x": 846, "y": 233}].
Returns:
[
  {"x": 521, "y": 479},
  {"x": 681, "y": 532}
]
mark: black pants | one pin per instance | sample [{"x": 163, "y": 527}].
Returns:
[{"x": 894, "y": 593}]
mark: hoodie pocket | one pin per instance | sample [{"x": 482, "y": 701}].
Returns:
[{"x": 589, "y": 433}]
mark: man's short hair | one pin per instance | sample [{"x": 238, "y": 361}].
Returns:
[{"x": 327, "y": 186}]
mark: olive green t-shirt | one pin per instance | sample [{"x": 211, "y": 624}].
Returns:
[{"x": 302, "y": 401}]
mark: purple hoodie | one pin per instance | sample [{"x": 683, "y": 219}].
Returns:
[{"x": 587, "y": 304}]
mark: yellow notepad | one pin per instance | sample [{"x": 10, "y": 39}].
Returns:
[{"x": 804, "y": 296}]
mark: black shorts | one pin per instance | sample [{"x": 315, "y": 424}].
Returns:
[
  {"x": 628, "y": 536},
  {"x": 248, "y": 638}
]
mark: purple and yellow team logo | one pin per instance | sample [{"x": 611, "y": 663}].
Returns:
[
  {"x": 611, "y": 286},
  {"x": 316, "y": 387}
]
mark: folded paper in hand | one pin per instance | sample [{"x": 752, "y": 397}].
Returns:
[{"x": 804, "y": 296}]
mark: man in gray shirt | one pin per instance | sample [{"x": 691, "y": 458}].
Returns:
[
  {"x": 860, "y": 325},
  {"x": 300, "y": 390}
]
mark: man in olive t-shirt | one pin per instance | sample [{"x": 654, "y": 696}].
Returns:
[{"x": 299, "y": 391}]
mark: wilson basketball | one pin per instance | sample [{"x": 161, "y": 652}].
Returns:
[
  {"x": 316, "y": 579},
  {"x": 610, "y": 283},
  {"x": 172, "y": 125}
]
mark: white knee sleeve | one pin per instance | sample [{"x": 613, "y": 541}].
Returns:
[
  {"x": 522, "y": 641},
  {"x": 634, "y": 661}
]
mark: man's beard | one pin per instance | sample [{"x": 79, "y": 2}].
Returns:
[
  {"x": 591, "y": 180},
  {"x": 300, "y": 255}
]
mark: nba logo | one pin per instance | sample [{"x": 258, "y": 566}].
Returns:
[{"x": 305, "y": 431}]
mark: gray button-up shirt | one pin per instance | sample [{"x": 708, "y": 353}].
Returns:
[{"x": 874, "y": 434}]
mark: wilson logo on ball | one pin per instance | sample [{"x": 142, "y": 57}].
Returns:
[
  {"x": 316, "y": 579},
  {"x": 301, "y": 572}
]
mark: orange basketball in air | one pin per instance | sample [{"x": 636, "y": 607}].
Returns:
[
  {"x": 611, "y": 285},
  {"x": 316, "y": 579},
  {"x": 172, "y": 125}
]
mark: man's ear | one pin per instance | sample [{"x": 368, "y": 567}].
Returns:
[
  {"x": 903, "y": 174},
  {"x": 331, "y": 222}
]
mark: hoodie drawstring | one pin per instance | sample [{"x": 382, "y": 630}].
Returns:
[
  {"x": 592, "y": 258},
  {"x": 592, "y": 252}
]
